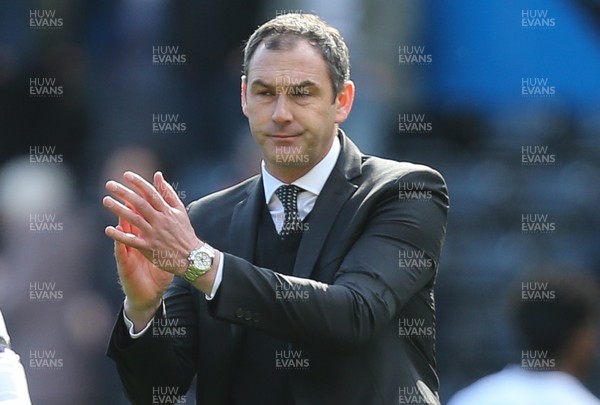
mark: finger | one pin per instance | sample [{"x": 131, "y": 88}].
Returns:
[
  {"x": 127, "y": 239},
  {"x": 135, "y": 202},
  {"x": 120, "y": 253},
  {"x": 122, "y": 250},
  {"x": 130, "y": 228},
  {"x": 126, "y": 214},
  {"x": 167, "y": 191},
  {"x": 124, "y": 225},
  {"x": 146, "y": 190}
]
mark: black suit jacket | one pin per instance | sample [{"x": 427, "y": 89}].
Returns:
[{"x": 366, "y": 266}]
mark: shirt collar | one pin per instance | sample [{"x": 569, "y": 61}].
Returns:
[{"x": 313, "y": 181}]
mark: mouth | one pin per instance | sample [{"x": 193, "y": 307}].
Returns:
[{"x": 284, "y": 136}]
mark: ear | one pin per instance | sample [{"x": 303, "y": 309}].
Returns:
[
  {"x": 344, "y": 101},
  {"x": 244, "y": 88}
]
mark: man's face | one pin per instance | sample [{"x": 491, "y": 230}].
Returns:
[{"x": 290, "y": 105}]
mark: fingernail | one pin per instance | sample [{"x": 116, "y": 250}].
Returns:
[
  {"x": 128, "y": 176},
  {"x": 111, "y": 186},
  {"x": 108, "y": 202}
]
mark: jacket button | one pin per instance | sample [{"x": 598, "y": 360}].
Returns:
[
  {"x": 256, "y": 318},
  {"x": 247, "y": 315},
  {"x": 239, "y": 313}
]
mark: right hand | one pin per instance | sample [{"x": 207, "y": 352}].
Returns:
[{"x": 142, "y": 282}]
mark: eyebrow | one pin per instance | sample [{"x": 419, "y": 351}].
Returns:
[{"x": 304, "y": 83}]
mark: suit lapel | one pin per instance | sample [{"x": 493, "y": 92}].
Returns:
[
  {"x": 329, "y": 203},
  {"x": 336, "y": 191},
  {"x": 244, "y": 222}
]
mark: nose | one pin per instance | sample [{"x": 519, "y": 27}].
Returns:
[{"x": 282, "y": 113}]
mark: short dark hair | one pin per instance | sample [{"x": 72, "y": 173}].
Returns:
[
  {"x": 570, "y": 304},
  {"x": 282, "y": 32}
]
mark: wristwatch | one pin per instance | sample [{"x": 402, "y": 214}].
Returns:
[{"x": 200, "y": 262}]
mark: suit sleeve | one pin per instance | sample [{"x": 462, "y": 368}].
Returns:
[
  {"x": 395, "y": 256},
  {"x": 162, "y": 360}
]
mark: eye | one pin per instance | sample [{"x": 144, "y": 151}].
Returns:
[
  {"x": 262, "y": 91},
  {"x": 301, "y": 92}
]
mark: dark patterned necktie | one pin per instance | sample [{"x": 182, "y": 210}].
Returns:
[{"x": 288, "y": 195}]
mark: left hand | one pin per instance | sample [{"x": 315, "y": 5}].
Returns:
[{"x": 166, "y": 236}]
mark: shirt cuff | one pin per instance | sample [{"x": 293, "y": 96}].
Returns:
[
  {"x": 130, "y": 325},
  {"x": 218, "y": 278}
]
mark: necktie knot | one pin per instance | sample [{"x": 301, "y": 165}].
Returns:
[{"x": 288, "y": 195}]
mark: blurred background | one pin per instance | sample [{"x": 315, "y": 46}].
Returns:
[{"x": 502, "y": 97}]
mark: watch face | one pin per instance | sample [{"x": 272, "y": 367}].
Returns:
[{"x": 202, "y": 261}]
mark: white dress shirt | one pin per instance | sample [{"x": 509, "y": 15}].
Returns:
[
  {"x": 515, "y": 385},
  {"x": 13, "y": 383},
  {"x": 312, "y": 183}
]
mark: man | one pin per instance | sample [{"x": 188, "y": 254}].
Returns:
[
  {"x": 291, "y": 285},
  {"x": 558, "y": 331},
  {"x": 13, "y": 383}
]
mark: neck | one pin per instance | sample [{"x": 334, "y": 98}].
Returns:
[{"x": 288, "y": 176}]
